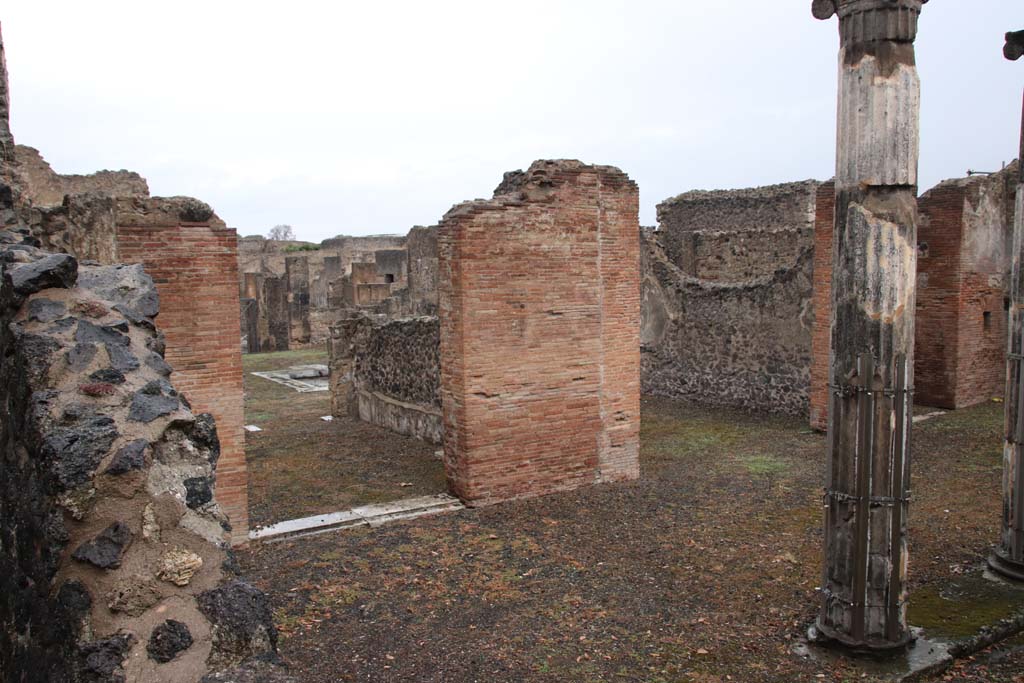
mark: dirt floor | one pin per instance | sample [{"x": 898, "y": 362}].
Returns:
[
  {"x": 705, "y": 570},
  {"x": 1003, "y": 663},
  {"x": 300, "y": 465}
]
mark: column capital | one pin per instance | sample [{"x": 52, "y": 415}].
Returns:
[
  {"x": 871, "y": 20},
  {"x": 1014, "y": 48}
]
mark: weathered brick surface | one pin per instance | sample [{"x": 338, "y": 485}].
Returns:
[
  {"x": 822, "y": 302},
  {"x": 195, "y": 268},
  {"x": 539, "y": 301}
]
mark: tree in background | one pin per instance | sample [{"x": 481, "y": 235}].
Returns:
[{"x": 281, "y": 232}]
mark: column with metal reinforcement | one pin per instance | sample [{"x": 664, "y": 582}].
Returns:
[
  {"x": 874, "y": 256},
  {"x": 1008, "y": 559}
]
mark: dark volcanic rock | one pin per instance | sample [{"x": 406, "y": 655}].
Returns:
[
  {"x": 106, "y": 550},
  {"x": 130, "y": 457},
  {"x": 80, "y": 355},
  {"x": 204, "y": 435},
  {"x": 108, "y": 375},
  {"x": 243, "y": 625},
  {"x": 45, "y": 310},
  {"x": 147, "y": 407},
  {"x": 168, "y": 639},
  {"x": 74, "y": 598},
  {"x": 132, "y": 290},
  {"x": 56, "y": 270},
  {"x": 156, "y": 362},
  {"x": 114, "y": 340},
  {"x": 76, "y": 451},
  {"x": 199, "y": 491},
  {"x": 101, "y": 659}
]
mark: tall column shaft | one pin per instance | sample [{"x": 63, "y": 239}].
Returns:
[
  {"x": 1008, "y": 558},
  {"x": 874, "y": 254}
]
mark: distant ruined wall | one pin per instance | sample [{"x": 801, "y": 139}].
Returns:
[
  {"x": 421, "y": 248},
  {"x": 316, "y": 272},
  {"x": 44, "y": 187},
  {"x": 114, "y": 561},
  {"x": 726, "y": 298},
  {"x": 389, "y": 373},
  {"x": 540, "y": 320}
]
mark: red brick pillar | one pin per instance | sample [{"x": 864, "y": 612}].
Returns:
[
  {"x": 540, "y": 335},
  {"x": 824, "y": 218},
  {"x": 195, "y": 268}
]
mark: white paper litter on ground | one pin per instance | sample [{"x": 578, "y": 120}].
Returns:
[{"x": 252, "y": 428}]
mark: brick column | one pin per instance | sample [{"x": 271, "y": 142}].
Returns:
[
  {"x": 195, "y": 268},
  {"x": 872, "y": 340},
  {"x": 821, "y": 335},
  {"x": 539, "y": 297},
  {"x": 1008, "y": 558}
]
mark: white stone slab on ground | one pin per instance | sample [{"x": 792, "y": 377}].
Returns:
[{"x": 364, "y": 515}]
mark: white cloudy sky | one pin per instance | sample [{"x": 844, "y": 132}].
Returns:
[{"x": 369, "y": 117}]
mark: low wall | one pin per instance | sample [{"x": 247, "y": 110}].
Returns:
[{"x": 388, "y": 373}]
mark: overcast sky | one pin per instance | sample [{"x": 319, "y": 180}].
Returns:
[{"x": 361, "y": 118}]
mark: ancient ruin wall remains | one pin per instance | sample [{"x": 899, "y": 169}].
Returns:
[
  {"x": 113, "y": 552},
  {"x": 47, "y": 188},
  {"x": 540, "y": 319},
  {"x": 387, "y": 372},
  {"x": 310, "y": 289},
  {"x": 726, "y": 291}
]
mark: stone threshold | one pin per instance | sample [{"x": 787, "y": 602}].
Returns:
[
  {"x": 281, "y": 377},
  {"x": 365, "y": 515}
]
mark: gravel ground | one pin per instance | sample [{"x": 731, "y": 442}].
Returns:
[
  {"x": 300, "y": 465},
  {"x": 704, "y": 570}
]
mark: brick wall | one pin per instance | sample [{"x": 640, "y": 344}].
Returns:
[
  {"x": 539, "y": 301},
  {"x": 939, "y": 238},
  {"x": 195, "y": 268},
  {"x": 821, "y": 342}
]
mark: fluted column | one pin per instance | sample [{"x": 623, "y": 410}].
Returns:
[
  {"x": 874, "y": 256},
  {"x": 1008, "y": 559}
]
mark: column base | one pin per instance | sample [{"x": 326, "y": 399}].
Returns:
[
  {"x": 825, "y": 636},
  {"x": 1006, "y": 567}
]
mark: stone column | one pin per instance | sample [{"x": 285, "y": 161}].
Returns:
[
  {"x": 6, "y": 140},
  {"x": 1008, "y": 559},
  {"x": 874, "y": 260}
]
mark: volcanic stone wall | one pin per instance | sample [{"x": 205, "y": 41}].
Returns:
[
  {"x": 113, "y": 551},
  {"x": 540, "y": 318},
  {"x": 388, "y": 372},
  {"x": 192, "y": 258},
  {"x": 726, "y": 290}
]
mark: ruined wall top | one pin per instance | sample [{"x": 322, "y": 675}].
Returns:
[
  {"x": 537, "y": 184},
  {"x": 872, "y": 20},
  {"x": 1014, "y": 48},
  {"x": 772, "y": 207},
  {"x": 161, "y": 212},
  {"x": 6, "y": 140},
  {"x": 46, "y": 187}
]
